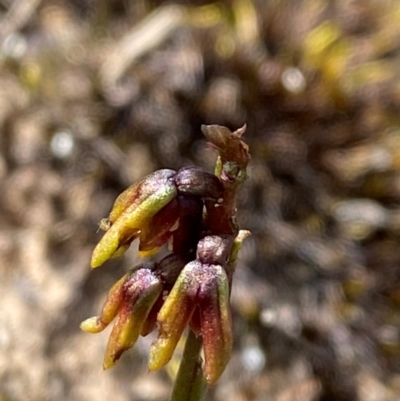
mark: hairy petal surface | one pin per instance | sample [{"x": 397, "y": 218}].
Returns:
[{"x": 198, "y": 182}]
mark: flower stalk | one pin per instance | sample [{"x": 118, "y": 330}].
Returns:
[{"x": 190, "y": 383}]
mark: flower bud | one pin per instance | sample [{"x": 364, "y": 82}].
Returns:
[
  {"x": 168, "y": 268},
  {"x": 198, "y": 182},
  {"x": 132, "y": 212},
  {"x": 214, "y": 249}
]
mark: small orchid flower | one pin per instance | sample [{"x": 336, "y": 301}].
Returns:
[
  {"x": 129, "y": 302},
  {"x": 149, "y": 210},
  {"x": 134, "y": 302},
  {"x": 202, "y": 284}
]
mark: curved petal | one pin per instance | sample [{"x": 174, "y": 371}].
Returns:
[
  {"x": 172, "y": 319},
  {"x": 135, "y": 194},
  {"x": 132, "y": 220}
]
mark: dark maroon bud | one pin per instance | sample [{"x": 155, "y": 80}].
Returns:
[
  {"x": 168, "y": 269},
  {"x": 214, "y": 249},
  {"x": 229, "y": 144},
  {"x": 198, "y": 182},
  {"x": 185, "y": 237}
]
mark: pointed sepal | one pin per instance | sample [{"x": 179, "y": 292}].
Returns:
[{"x": 132, "y": 211}]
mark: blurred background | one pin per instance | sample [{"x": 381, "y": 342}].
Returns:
[{"x": 95, "y": 94}]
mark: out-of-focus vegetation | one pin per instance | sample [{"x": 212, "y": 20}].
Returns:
[{"x": 96, "y": 94}]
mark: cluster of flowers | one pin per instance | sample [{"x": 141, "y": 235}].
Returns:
[{"x": 189, "y": 286}]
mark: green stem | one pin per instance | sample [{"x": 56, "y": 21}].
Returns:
[{"x": 190, "y": 384}]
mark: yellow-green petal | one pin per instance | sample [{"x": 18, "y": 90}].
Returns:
[
  {"x": 172, "y": 320},
  {"x": 132, "y": 220}
]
